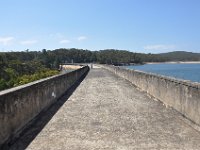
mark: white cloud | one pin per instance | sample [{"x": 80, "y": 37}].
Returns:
[
  {"x": 28, "y": 42},
  {"x": 6, "y": 40},
  {"x": 56, "y": 35},
  {"x": 160, "y": 47},
  {"x": 65, "y": 41},
  {"x": 81, "y": 38}
]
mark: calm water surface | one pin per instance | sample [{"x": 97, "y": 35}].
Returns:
[{"x": 182, "y": 71}]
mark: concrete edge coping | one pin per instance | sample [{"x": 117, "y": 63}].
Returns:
[
  {"x": 13, "y": 89},
  {"x": 188, "y": 83}
]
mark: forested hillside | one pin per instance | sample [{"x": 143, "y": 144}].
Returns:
[
  {"x": 17, "y": 68},
  {"x": 181, "y": 56}
]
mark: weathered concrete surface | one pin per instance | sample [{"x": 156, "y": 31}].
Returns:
[
  {"x": 107, "y": 112},
  {"x": 184, "y": 96},
  {"x": 20, "y": 105}
]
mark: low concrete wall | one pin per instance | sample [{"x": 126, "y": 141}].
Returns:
[
  {"x": 20, "y": 105},
  {"x": 184, "y": 96}
]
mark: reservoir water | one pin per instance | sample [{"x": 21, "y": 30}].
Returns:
[{"x": 182, "y": 71}]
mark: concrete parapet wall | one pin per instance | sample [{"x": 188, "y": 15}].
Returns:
[
  {"x": 184, "y": 96},
  {"x": 20, "y": 105}
]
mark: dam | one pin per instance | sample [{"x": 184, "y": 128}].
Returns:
[{"x": 108, "y": 111}]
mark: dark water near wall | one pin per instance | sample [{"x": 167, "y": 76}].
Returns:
[{"x": 181, "y": 71}]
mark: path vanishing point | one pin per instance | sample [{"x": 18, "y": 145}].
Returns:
[{"x": 107, "y": 112}]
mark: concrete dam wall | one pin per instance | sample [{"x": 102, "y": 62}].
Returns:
[
  {"x": 19, "y": 105},
  {"x": 184, "y": 96}
]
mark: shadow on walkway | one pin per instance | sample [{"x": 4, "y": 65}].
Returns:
[{"x": 37, "y": 124}]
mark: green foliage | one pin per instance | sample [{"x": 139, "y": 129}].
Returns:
[
  {"x": 36, "y": 76},
  {"x": 17, "y": 68},
  {"x": 3, "y": 84},
  {"x": 14, "y": 72}
]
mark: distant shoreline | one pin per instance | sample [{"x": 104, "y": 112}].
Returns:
[{"x": 175, "y": 62}]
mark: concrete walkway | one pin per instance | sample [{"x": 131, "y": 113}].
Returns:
[{"x": 107, "y": 112}]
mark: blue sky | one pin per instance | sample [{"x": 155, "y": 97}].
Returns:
[{"x": 148, "y": 26}]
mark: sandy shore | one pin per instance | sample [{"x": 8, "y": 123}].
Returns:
[
  {"x": 71, "y": 66},
  {"x": 175, "y": 62}
]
